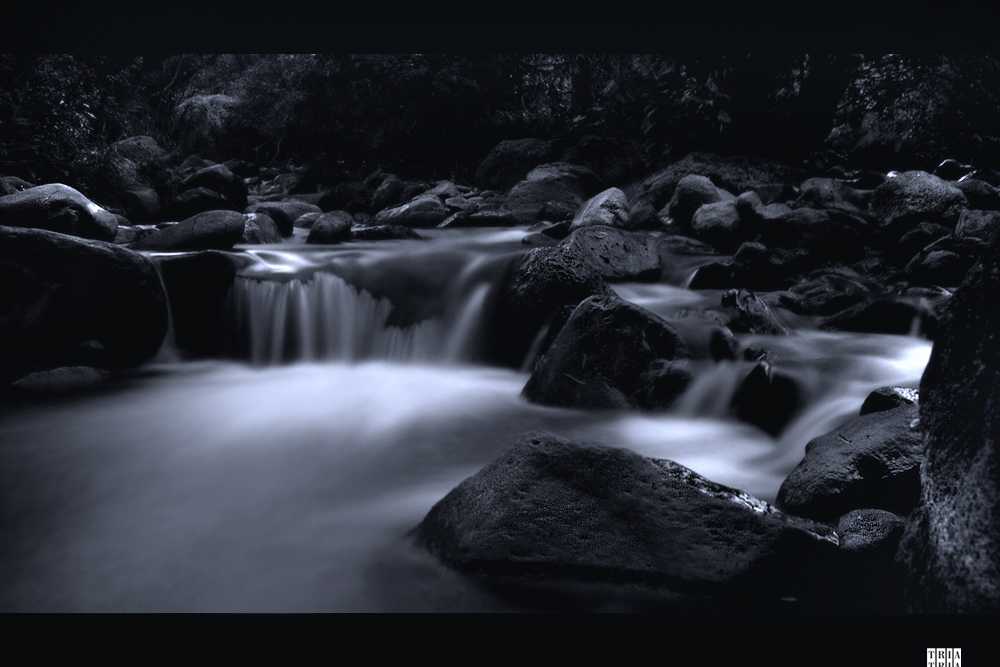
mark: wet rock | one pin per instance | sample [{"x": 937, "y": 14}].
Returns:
[
  {"x": 71, "y": 302},
  {"x": 916, "y": 196},
  {"x": 220, "y": 179},
  {"x": 552, "y": 191},
  {"x": 611, "y": 354},
  {"x": 331, "y": 227},
  {"x": 609, "y": 208},
  {"x": 58, "y": 208},
  {"x": 481, "y": 218},
  {"x": 872, "y": 461},
  {"x": 981, "y": 224},
  {"x": 719, "y": 225},
  {"x": 550, "y": 510},
  {"x": 953, "y": 170},
  {"x": 693, "y": 192},
  {"x": 734, "y": 173},
  {"x": 423, "y": 211},
  {"x": 350, "y": 196},
  {"x": 876, "y": 315},
  {"x": 951, "y": 547},
  {"x": 768, "y": 398},
  {"x": 869, "y": 582},
  {"x": 260, "y": 228},
  {"x": 211, "y": 230},
  {"x": 939, "y": 267},
  {"x": 755, "y": 316},
  {"x": 284, "y": 213},
  {"x": 510, "y": 161},
  {"x": 887, "y": 398},
  {"x": 535, "y": 288},
  {"x": 979, "y": 194},
  {"x": 829, "y": 292},
  {"x": 616, "y": 254},
  {"x": 917, "y": 238},
  {"x": 833, "y": 193},
  {"x": 197, "y": 285},
  {"x": 389, "y": 193},
  {"x": 383, "y": 233},
  {"x": 65, "y": 380}
]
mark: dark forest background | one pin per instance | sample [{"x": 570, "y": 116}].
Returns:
[{"x": 340, "y": 116}]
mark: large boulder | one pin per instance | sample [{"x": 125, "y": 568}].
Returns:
[
  {"x": 612, "y": 354},
  {"x": 510, "y": 161},
  {"x": 535, "y": 291},
  {"x": 551, "y": 511},
  {"x": 616, "y": 254},
  {"x": 203, "y": 122},
  {"x": 211, "y": 230},
  {"x": 609, "y": 207},
  {"x": 693, "y": 192},
  {"x": 425, "y": 210},
  {"x": 58, "y": 208},
  {"x": 872, "y": 461},
  {"x": 260, "y": 228},
  {"x": 554, "y": 191},
  {"x": 219, "y": 178},
  {"x": 951, "y": 547},
  {"x": 331, "y": 227},
  {"x": 69, "y": 302},
  {"x": 916, "y": 196}
]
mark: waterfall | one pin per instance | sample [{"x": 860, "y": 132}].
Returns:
[{"x": 326, "y": 318}]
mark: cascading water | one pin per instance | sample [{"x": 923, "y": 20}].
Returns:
[{"x": 254, "y": 484}]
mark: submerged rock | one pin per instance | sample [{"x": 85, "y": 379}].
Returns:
[{"x": 548, "y": 510}]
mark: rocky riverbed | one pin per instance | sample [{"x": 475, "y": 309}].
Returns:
[{"x": 698, "y": 390}]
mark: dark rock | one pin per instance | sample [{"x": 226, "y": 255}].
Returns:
[
  {"x": 65, "y": 380},
  {"x": 611, "y": 354},
  {"x": 549, "y": 509},
  {"x": 953, "y": 170},
  {"x": 917, "y": 238},
  {"x": 423, "y": 211},
  {"x": 350, "y": 196},
  {"x": 11, "y": 184},
  {"x": 58, "y": 208},
  {"x": 510, "y": 161},
  {"x": 609, "y": 208},
  {"x": 981, "y": 224},
  {"x": 869, "y": 582},
  {"x": 916, "y": 196},
  {"x": 616, "y": 254},
  {"x": 141, "y": 149},
  {"x": 951, "y": 547},
  {"x": 284, "y": 213},
  {"x": 558, "y": 186},
  {"x": 828, "y": 235},
  {"x": 331, "y": 227},
  {"x": 719, "y": 225},
  {"x": 939, "y": 267},
  {"x": 481, "y": 218},
  {"x": 693, "y": 192},
  {"x": 70, "y": 302},
  {"x": 872, "y": 461},
  {"x": 307, "y": 220},
  {"x": 735, "y": 173},
  {"x": 768, "y": 398},
  {"x": 536, "y": 287},
  {"x": 204, "y": 122},
  {"x": 260, "y": 228},
  {"x": 887, "y": 398},
  {"x": 198, "y": 200},
  {"x": 389, "y": 193},
  {"x": 980, "y": 194},
  {"x": 141, "y": 204},
  {"x": 383, "y": 233},
  {"x": 219, "y": 178},
  {"x": 833, "y": 193},
  {"x": 198, "y": 285},
  {"x": 830, "y": 292},
  {"x": 755, "y": 316},
  {"x": 211, "y": 230},
  {"x": 876, "y": 315}
]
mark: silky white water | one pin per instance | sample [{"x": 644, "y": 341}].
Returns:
[{"x": 286, "y": 477}]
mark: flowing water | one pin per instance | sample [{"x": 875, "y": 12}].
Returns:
[{"x": 285, "y": 475}]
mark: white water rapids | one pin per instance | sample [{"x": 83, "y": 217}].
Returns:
[{"x": 285, "y": 478}]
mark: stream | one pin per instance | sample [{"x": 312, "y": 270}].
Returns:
[{"x": 285, "y": 475}]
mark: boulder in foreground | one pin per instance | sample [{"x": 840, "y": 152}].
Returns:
[
  {"x": 58, "y": 208},
  {"x": 551, "y": 510}
]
